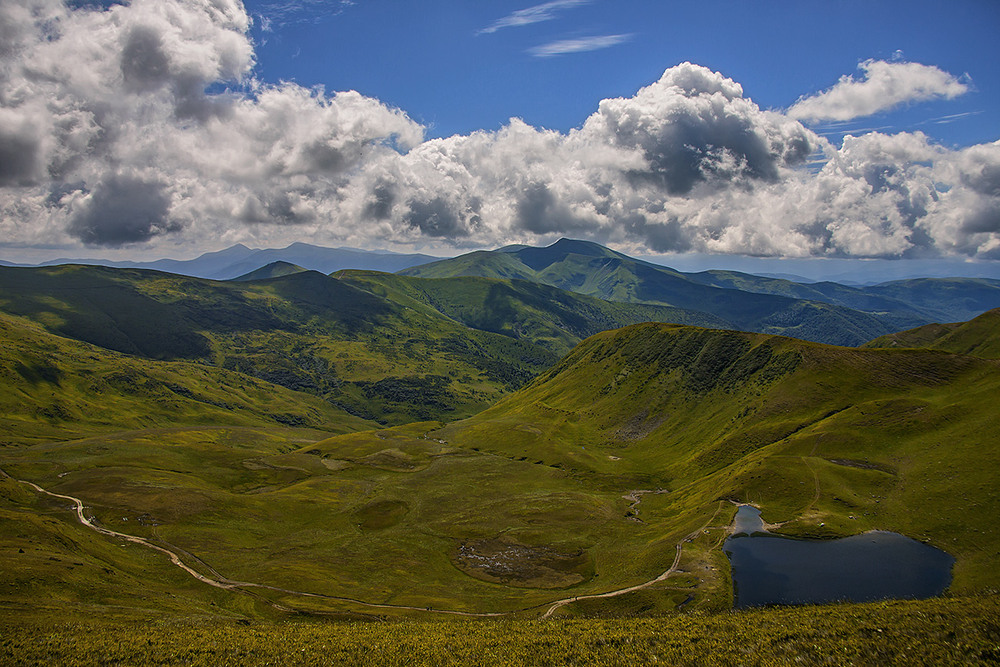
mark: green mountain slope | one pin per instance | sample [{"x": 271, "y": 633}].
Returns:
[
  {"x": 979, "y": 337},
  {"x": 272, "y": 270},
  {"x": 591, "y": 269},
  {"x": 945, "y": 299},
  {"x": 830, "y": 440},
  {"x": 948, "y": 299},
  {"x": 55, "y": 388},
  {"x": 551, "y": 317},
  {"x": 305, "y": 331},
  {"x": 586, "y": 481}
]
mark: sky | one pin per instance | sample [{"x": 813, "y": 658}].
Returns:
[{"x": 739, "y": 132}]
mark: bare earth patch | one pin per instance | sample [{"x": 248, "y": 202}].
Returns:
[{"x": 507, "y": 562}]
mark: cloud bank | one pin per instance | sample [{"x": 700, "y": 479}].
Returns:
[{"x": 140, "y": 126}]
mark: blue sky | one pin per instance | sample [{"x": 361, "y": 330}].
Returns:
[
  {"x": 714, "y": 132},
  {"x": 432, "y": 59}
]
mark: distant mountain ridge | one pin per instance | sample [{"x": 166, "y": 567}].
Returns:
[
  {"x": 979, "y": 337},
  {"x": 239, "y": 260},
  {"x": 824, "y": 312}
]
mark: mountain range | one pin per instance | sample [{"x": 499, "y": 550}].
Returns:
[
  {"x": 239, "y": 260},
  {"x": 823, "y": 312},
  {"x": 367, "y": 443}
]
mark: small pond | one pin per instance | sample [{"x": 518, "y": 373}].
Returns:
[{"x": 769, "y": 569}]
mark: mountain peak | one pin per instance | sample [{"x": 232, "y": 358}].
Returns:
[
  {"x": 272, "y": 270},
  {"x": 539, "y": 258}
]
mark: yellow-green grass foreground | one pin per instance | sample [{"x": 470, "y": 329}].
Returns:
[{"x": 944, "y": 631}]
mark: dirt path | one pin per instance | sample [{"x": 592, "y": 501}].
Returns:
[
  {"x": 634, "y": 498},
  {"x": 622, "y": 591},
  {"x": 223, "y": 582}
]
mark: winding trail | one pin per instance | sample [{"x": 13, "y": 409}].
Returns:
[
  {"x": 634, "y": 498},
  {"x": 622, "y": 591},
  {"x": 225, "y": 583}
]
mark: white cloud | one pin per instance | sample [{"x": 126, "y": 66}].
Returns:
[
  {"x": 578, "y": 45},
  {"x": 884, "y": 85},
  {"x": 535, "y": 14},
  {"x": 285, "y": 12},
  {"x": 109, "y": 138}
]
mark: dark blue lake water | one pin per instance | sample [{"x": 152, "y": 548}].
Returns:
[{"x": 768, "y": 569}]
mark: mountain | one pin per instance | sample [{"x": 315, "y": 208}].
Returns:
[
  {"x": 979, "y": 337},
  {"x": 822, "y": 311},
  {"x": 203, "y": 434},
  {"x": 548, "y": 316},
  {"x": 55, "y": 387},
  {"x": 825, "y": 440},
  {"x": 383, "y": 346},
  {"x": 306, "y": 331},
  {"x": 239, "y": 260},
  {"x": 324, "y": 260},
  {"x": 272, "y": 270},
  {"x": 945, "y": 299},
  {"x": 591, "y": 269}
]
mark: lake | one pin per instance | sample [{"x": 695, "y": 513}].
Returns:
[{"x": 769, "y": 569}]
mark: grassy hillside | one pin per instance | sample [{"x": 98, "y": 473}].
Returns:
[
  {"x": 764, "y": 305},
  {"x": 979, "y": 337},
  {"x": 960, "y": 631},
  {"x": 272, "y": 270},
  {"x": 830, "y": 441},
  {"x": 551, "y": 317},
  {"x": 54, "y": 388},
  {"x": 305, "y": 331},
  {"x": 591, "y": 479},
  {"x": 387, "y": 522}
]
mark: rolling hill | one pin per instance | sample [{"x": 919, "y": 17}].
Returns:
[
  {"x": 234, "y": 425},
  {"x": 384, "y": 347},
  {"x": 239, "y": 260},
  {"x": 822, "y": 312},
  {"x": 631, "y": 450},
  {"x": 826, "y": 440},
  {"x": 520, "y": 309},
  {"x": 979, "y": 337},
  {"x": 272, "y": 270},
  {"x": 54, "y": 388},
  {"x": 305, "y": 331}
]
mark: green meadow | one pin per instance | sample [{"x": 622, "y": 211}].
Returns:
[{"x": 458, "y": 456}]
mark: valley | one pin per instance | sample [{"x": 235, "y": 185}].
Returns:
[{"x": 367, "y": 446}]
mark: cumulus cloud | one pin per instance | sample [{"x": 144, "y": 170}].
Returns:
[
  {"x": 577, "y": 45},
  {"x": 883, "y": 86},
  {"x": 93, "y": 93},
  {"x": 113, "y": 133},
  {"x": 123, "y": 209},
  {"x": 694, "y": 126},
  {"x": 535, "y": 14}
]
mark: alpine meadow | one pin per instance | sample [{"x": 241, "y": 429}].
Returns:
[{"x": 577, "y": 333}]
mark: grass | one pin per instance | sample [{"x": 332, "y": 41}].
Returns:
[
  {"x": 357, "y": 515},
  {"x": 978, "y": 337},
  {"x": 823, "y": 312},
  {"x": 582, "y": 482},
  {"x": 833, "y": 441},
  {"x": 949, "y": 631},
  {"x": 54, "y": 388}
]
